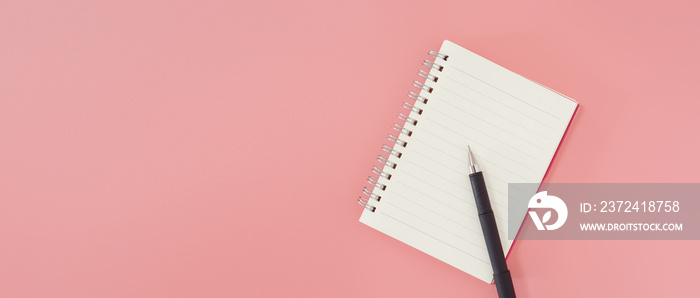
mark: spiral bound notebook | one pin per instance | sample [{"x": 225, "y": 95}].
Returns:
[{"x": 420, "y": 192}]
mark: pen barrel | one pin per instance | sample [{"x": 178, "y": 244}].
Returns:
[
  {"x": 504, "y": 285},
  {"x": 502, "y": 278},
  {"x": 483, "y": 203}
]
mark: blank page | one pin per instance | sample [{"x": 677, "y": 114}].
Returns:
[{"x": 513, "y": 126}]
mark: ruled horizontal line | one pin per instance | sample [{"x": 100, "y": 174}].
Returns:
[
  {"x": 485, "y": 134},
  {"x": 475, "y": 143},
  {"x": 497, "y": 101},
  {"x": 481, "y": 247},
  {"x": 492, "y": 112},
  {"x": 493, "y": 190},
  {"x": 504, "y": 92},
  {"x": 464, "y": 200}
]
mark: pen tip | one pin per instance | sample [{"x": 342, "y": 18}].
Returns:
[{"x": 472, "y": 162}]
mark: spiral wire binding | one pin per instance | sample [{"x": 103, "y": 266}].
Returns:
[
  {"x": 438, "y": 55},
  {"x": 376, "y": 183},
  {"x": 368, "y": 192},
  {"x": 431, "y": 64},
  {"x": 378, "y": 171},
  {"x": 369, "y": 197},
  {"x": 402, "y": 130},
  {"x": 412, "y": 108},
  {"x": 417, "y": 97},
  {"x": 391, "y": 151},
  {"x": 365, "y": 203},
  {"x": 428, "y": 76},
  {"x": 385, "y": 161},
  {"x": 396, "y": 140},
  {"x": 423, "y": 86},
  {"x": 408, "y": 119}
]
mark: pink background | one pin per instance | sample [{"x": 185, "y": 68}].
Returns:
[{"x": 216, "y": 148}]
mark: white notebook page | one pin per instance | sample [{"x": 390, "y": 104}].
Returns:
[{"x": 513, "y": 126}]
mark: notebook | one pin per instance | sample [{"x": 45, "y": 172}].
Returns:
[{"x": 419, "y": 190}]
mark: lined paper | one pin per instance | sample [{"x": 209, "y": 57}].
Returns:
[{"x": 513, "y": 126}]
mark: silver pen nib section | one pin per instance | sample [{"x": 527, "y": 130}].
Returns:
[{"x": 473, "y": 167}]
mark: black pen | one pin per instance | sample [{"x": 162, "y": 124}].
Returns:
[{"x": 501, "y": 274}]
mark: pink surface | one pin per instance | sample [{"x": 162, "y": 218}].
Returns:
[{"x": 216, "y": 149}]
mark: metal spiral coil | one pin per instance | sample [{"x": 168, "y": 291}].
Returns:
[
  {"x": 438, "y": 55},
  {"x": 378, "y": 171},
  {"x": 427, "y": 75},
  {"x": 408, "y": 119},
  {"x": 376, "y": 183},
  {"x": 368, "y": 192},
  {"x": 366, "y": 201},
  {"x": 431, "y": 64},
  {"x": 385, "y": 161},
  {"x": 412, "y": 108},
  {"x": 402, "y": 130},
  {"x": 396, "y": 140},
  {"x": 417, "y": 97},
  {"x": 391, "y": 151},
  {"x": 423, "y": 86}
]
